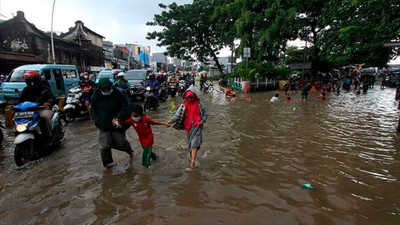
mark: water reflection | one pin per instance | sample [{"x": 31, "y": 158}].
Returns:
[{"x": 255, "y": 156}]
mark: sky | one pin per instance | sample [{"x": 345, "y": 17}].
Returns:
[{"x": 119, "y": 21}]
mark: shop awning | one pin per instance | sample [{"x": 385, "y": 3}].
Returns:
[{"x": 8, "y": 56}]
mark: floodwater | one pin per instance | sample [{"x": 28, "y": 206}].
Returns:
[{"x": 254, "y": 158}]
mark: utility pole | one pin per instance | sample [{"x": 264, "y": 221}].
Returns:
[{"x": 51, "y": 34}]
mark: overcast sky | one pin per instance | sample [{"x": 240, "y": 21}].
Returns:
[{"x": 119, "y": 21}]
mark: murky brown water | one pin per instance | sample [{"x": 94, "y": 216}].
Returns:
[{"x": 254, "y": 159}]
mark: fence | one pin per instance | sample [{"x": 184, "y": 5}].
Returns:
[{"x": 259, "y": 83}]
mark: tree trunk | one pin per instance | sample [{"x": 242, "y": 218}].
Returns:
[{"x": 217, "y": 62}]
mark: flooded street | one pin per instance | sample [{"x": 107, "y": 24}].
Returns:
[{"x": 253, "y": 160}]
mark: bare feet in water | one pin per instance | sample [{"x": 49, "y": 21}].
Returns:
[{"x": 191, "y": 166}]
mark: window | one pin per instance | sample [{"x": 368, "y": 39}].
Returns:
[
  {"x": 17, "y": 76},
  {"x": 67, "y": 73},
  {"x": 65, "y": 55},
  {"x": 58, "y": 78},
  {"x": 47, "y": 74}
]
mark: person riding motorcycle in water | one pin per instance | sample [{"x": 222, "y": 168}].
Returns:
[
  {"x": 161, "y": 78},
  {"x": 192, "y": 79},
  {"x": 123, "y": 85},
  {"x": 87, "y": 87},
  {"x": 173, "y": 78},
  {"x": 154, "y": 85},
  {"x": 203, "y": 80},
  {"x": 38, "y": 91}
]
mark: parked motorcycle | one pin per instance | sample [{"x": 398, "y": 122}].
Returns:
[
  {"x": 30, "y": 142},
  {"x": 182, "y": 86},
  {"x": 150, "y": 101},
  {"x": 172, "y": 89},
  {"x": 74, "y": 108}
]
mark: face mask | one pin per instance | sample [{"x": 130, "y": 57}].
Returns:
[
  {"x": 137, "y": 118},
  {"x": 107, "y": 93}
]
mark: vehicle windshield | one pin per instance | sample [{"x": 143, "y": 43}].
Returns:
[
  {"x": 17, "y": 76},
  {"x": 107, "y": 74},
  {"x": 136, "y": 75}
]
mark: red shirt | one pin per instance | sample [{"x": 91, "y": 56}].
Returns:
[{"x": 143, "y": 130}]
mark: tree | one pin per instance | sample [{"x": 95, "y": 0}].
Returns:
[
  {"x": 294, "y": 55},
  {"x": 188, "y": 30},
  {"x": 265, "y": 26},
  {"x": 225, "y": 15},
  {"x": 358, "y": 30}
]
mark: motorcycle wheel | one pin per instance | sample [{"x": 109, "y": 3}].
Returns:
[
  {"x": 146, "y": 105},
  {"x": 22, "y": 152},
  {"x": 69, "y": 116},
  {"x": 1, "y": 136}
]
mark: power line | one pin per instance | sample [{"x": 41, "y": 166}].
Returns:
[{"x": 1, "y": 15}]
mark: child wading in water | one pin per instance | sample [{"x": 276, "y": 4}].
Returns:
[{"x": 142, "y": 123}]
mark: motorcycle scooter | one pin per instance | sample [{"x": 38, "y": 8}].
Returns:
[
  {"x": 150, "y": 101},
  {"x": 182, "y": 87},
  {"x": 74, "y": 108},
  {"x": 163, "y": 92},
  {"x": 172, "y": 89},
  {"x": 30, "y": 142}
]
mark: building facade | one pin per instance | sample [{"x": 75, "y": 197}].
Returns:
[
  {"x": 89, "y": 46},
  {"x": 22, "y": 43}
]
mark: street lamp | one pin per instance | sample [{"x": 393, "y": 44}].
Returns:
[{"x": 51, "y": 34}]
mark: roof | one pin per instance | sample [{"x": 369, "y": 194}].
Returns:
[
  {"x": 72, "y": 29},
  {"x": 19, "y": 57},
  {"x": 20, "y": 17},
  {"x": 44, "y": 66}
]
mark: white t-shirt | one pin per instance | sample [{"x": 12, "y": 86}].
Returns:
[{"x": 274, "y": 99}]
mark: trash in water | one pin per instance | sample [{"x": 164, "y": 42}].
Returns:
[{"x": 307, "y": 186}]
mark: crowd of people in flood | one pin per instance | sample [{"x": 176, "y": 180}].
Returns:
[{"x": 325, "y": 83}]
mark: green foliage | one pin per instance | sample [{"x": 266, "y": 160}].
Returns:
[
  {"x": 261, "y": 70},
  {"x": 358, "y": 30},
  {"x": 337, "y": 32},
  {"x": 294, "y": 55},
  {"x": 265, "y": 27},
  {"x": 188, "y": 30},
  {"x": 201, "y": 68}
]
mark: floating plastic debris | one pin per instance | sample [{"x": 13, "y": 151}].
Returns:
[{"x": 307, "y": 186}]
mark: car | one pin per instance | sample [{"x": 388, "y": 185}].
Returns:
[
  {"x": 108, "y": 73},
  {"x": 60, "y": 79},
  {"x": 137, "y": 78}
]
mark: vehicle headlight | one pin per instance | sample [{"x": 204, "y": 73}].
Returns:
[{"x": 21, "y": 127}]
